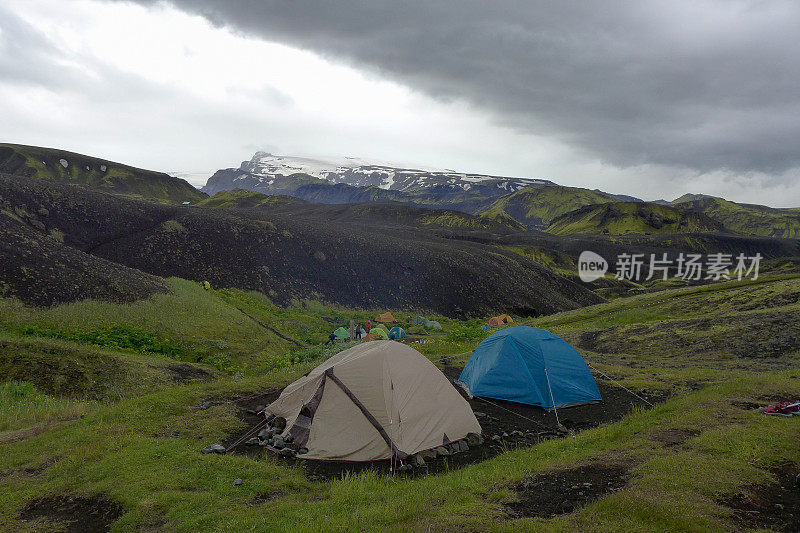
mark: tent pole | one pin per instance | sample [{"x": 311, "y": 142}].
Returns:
[{"x": 551, "y": 395}]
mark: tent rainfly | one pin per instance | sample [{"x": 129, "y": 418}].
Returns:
[
  {"x": 385, "y": 318},
  {"x": 529, "y": 365},
  {"x": 341, "y": 334},
  {"x": 374, "y": 401},
  {"x": 397, "y": 333},
  {"x": 377, "y": 333}
]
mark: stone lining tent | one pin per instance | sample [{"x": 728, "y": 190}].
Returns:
[{"x": 377, "y": 400}]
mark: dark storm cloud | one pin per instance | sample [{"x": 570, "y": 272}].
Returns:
[{"x": 704, "y": 85}]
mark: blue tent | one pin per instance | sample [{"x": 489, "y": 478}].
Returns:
[
  {"x": 517, "y": 363},
  {"x": 397, "y": 333}
]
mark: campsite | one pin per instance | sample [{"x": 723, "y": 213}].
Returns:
[
  {"x": 665, "y": 423},
  {"x": 380, "y": 266}
]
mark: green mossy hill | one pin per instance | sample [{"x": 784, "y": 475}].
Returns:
[
  {"x": 748, "y": 219},
  {"x": 68, "y": 167},
  {"x": 619, "y": 218},
  {"x": 535, "y": 207},
  {"x": 243, "y": 198}
]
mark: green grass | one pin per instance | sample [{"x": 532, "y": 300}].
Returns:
[
  {"x": 749, "y": 219},
  {"x": 537, "y": 206},
  {"x": 21, "y": 405},
  {"x": 619, "y": 218},
  {"x": 142, "y": 450}
]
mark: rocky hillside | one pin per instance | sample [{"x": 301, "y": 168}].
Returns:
[
  {"x": 535, "y": 207},
  {"x": 286, "y": 254},
  {"x": 747, "y": 219},
  {"x": 67, "y": 167},
  {"x": 619, "y": 218}
]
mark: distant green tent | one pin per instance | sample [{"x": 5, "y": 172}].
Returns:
[
  {"x": 380, "y": 326},
  {"x": 379, "y": 333},
  {"x": 397, "y": 333},
  {"x": 434, "y": 325},
  {"x": 420, "y": 321},
  {"x": 341, "y": 334}
]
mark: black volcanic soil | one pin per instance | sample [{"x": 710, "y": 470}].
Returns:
[
  {"x": 563, "y": 491},
  {"x": 775, "y": 506},
  {"x": 505, "y": 425},
  {"x": 287, "y": 255},
  {"x": 39, "y": 270},
  {"x": 73, "y": 513}
]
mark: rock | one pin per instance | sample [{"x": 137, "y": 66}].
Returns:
[
  {"x": 442, "y": 451},
  {"x": 504, "y": 435},
  {"x": 463, "y": 446},
  {"x": 516, "y": 433},
  {"x": 253, "y": 442},
  {"x": 288, "y": 439},
  {"x": 279, "y": 422},
  {"x": 473, "y": 439},
  {"x": 496, "y": 438},
  {"x": 214, "y": 448},
  {"x": 428, "y": 455},
  {"x": 405, "y": 468},
  {"x": 287, "y": 452},
  {"x": 302, "y": 451},
  {"x": 278, "y": 443},
  {"x": 275, "y": 431},
  {"x": 264, "y": 434},
  {"x": 237, "y": 481},
  {"x": 206, "y": 405},
  {"x": 479, "y": 414},
  {"x": 416, "y": 460},
  {"x": 779, "y": 506}
]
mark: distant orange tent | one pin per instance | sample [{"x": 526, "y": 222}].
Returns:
[
  {"x": 499, "y": 320},
  {"x": 385, "y": 318},
  {"x": 506, "y": 319}
]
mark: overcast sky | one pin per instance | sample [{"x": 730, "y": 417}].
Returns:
[{"x": 652, "y": 99}]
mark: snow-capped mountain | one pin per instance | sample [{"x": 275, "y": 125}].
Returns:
[{"x": 274, "y": 174}]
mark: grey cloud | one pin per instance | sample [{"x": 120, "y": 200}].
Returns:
[{"x": 706, "y": 85}]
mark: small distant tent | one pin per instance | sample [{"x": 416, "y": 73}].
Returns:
[
  {"x": 494, "y": 321},
  {"x": 505, "y": 319},
  {"x": 531, "y": 366},
  {"x": 341, "y": 334},
  {"x": 397, "y": 333},
  {"x": 381, "y": 326},
  {"x": 434, "y": 325},
  {"x": 374, "y": 401},
  {"x": 378, "y": 333},
  {"x": 420, "y": 321},
  {"x": 385, "y": 318}
]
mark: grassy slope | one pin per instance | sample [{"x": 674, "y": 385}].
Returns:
[
  {"x": 675, "y": 488},
  {"x": 632, "y": 217},
  {"x": 45, "y": 163},
  {"x": 244, "y": 198},
  {"x": 535, "y": 207},
  {"x": 748, "y": 219}
]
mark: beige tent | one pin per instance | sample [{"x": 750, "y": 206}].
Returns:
[{"x": 371, "y": 400}]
